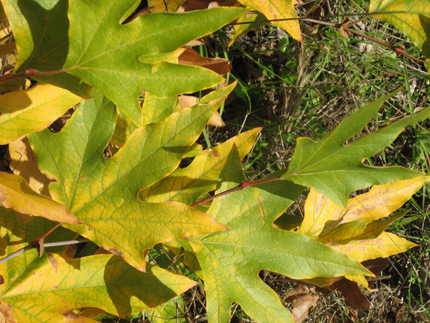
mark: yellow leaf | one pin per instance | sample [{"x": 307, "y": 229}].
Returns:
[
  {"x": 21, "y": 198},
  {"x": 278, "y": 9},
  {"x": 387, "y": 244},
  {"x": 32, "y": 110},
  {"x": 379, "y": 202}
]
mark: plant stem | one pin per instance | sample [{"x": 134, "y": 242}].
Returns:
[
  {"x": 321, "y": 17},
  {"x": 33, "y": 245},
  {"x": 240, "y": 187}
]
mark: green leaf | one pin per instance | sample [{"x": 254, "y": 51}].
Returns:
[
  {"x": 414, "y": 22},
  {"x": 50, "y": 289},
  {"x": 40, "y": 31},
  {"x": 335, "y": 169},
  {"x": 113, "y": 65},
  {"x": 102, "y": 193},
  {"x": 32, "y": 110},
  {"x": 232, "y": 260}
]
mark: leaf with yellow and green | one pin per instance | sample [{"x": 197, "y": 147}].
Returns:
[
  {"x": 414, "y": 20},
  {"x": 32, "y": 110},
  {"x": 202, "y": 175},
  {"x": 103, "y": 281},
  {"x": 17, "y": 195},
  {"x": 231, "y": 260},
  {"x": 358, "y": 230},
  {"x": 335, "y": 169},
  {"x": 19, "y": 235},
  {"x": 278, "y": 9},
  {"x": 40, "y": 32},
  {"x": 156, "y": 109},
  {"x": 109, "y": 55},
  {"x": 322, "y": 216},
  {"x": 102, "y": 193}
]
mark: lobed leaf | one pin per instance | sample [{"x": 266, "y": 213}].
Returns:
[
  {"x": 113, "y": 65},
  {"x": 104, "y": 281},
  {"x": 336, "y": 169},
  {"x": 231, "y": 260},
  {"x": 102, "y": 193},
  {"x": 379, "y": 202}
]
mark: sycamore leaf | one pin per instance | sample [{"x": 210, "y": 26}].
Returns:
[
  {"x": 114, "y": 65},
  {"x": 321, "y": 214},
  {"x": 17, "y": 195},
  {"x": 102, "y": 193},
  {"x": 32, "y": 110},
  {"x": 40, "y": 32},
  {"x": 202, "y": 175},
  {"x": 103, "y": 281},
  {"x": 232, "y": 260},
  {"x": 357, "y": 230},
  {"x": 336, "y": 169},
  {"x": 414, "y": 22},
  {"x": 278, "y": 9}
]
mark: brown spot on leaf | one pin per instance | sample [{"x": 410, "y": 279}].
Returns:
[
  {"x": 1, "y": 280},
  {"x": 55, "y": 286},
  {"x": 83, "y": 177},
  {"x": 88, "y": 227},
  {"x": 216, "y": 153}
]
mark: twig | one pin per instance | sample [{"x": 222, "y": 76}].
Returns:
[
  {"x": 34, "y": 245},
  {"x": 240, "y": 187}
]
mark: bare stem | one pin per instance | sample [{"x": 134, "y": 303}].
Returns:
[
  {"x": 33, "y": 245},
  {"x": 321, "y": 17},
  {"x": 240, "y": 187}
]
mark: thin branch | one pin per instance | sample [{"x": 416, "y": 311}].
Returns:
[
  {"x": 320, "y": 17},
  {"x": 240, "y": 187},
  {"x": 33, "y": 245}
]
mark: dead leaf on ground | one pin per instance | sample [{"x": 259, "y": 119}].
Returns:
[{"x": 302, "y": 301}]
